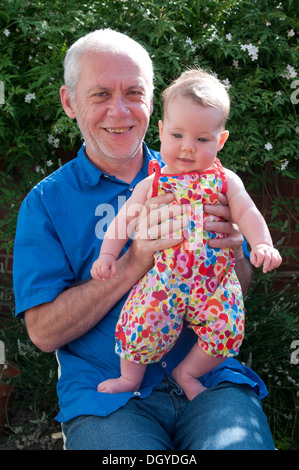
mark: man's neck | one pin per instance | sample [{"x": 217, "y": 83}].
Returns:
[{"x": 123, "y": 169}]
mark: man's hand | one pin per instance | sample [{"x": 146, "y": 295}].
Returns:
[
  {"x": 159, "y": 226},
  {"x": 234, "y": 238}
]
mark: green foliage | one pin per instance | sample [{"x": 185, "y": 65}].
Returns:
[
  {"x": 252, "y": 46},
  {"x": 271, "y": 348},
  {"x": 36, "y": 384}
]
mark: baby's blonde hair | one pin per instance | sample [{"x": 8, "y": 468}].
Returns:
[{"x": 200, "y": 86}]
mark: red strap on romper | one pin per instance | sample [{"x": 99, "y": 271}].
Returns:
[
  {"x": 220, "y": 168},
  {"x": 154, "y": 167}
]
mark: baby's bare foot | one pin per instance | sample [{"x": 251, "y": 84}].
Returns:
[
  {"x": 117, "y": 386},
  {"x": 190, "y": 385}
]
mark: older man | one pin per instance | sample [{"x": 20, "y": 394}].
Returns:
[{"x": 108, "y": 90}]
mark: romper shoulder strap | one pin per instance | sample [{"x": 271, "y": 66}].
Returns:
[
  {"x": 154, "y": 167},
  {"x": 220, "y": 169}
]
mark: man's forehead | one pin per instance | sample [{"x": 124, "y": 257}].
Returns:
[{"x": 103, "y": 70}]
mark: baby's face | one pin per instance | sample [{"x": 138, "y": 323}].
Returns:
[{"x": 191, "y": 135}]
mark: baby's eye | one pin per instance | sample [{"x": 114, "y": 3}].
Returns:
[
  {"x": 177, "y": 136},
  {"x": 202, "y": 139}
]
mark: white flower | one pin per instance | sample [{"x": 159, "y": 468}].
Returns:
[
  {"x": 284, "y": 165},
  {"x": 236, "y": 64},
  {"x": 29, "y": 97},
  {"x": 190, "y": 43},
  {"x": 289, "y": 73},
  {"x": 291, "y": 33},
  {"x": 268, "y": 23},
  {"x": 6, "y": 32},
  {"x": 229, "y": 37},
  {"x": 49, "y": 163},
  {"x": 251, "y": 49},
  {"x": 53, "y": 141},
  {"x": 227, "y": 83},
  {"x": 268, "y": 146},
  {"x": 214, "y": 31}
]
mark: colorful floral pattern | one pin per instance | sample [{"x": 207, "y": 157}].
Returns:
[{"x": 190, "y": 282}]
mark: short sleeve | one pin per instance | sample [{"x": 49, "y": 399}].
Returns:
[{"x": 40, "y": 266}]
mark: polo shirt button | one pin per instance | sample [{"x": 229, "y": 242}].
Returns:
[
  {"x": 137, "y": 394},
  {"x": 131, "y": 189},
  {"x": 163, "y": 364}
]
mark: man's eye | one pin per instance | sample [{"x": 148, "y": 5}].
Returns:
[{"x": 135, "y": 94}]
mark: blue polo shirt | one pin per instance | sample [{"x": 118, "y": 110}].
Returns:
[{"x": 59, "y": 234}]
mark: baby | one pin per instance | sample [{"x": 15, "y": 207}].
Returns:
[{"x": 190, "y": 282}]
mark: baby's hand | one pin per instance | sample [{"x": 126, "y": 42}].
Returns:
[
  {"x": 266, "y": 255},
  {"x": 104, "y": 267}
]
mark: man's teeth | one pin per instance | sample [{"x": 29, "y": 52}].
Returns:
[{"x": 118, "y": 131}]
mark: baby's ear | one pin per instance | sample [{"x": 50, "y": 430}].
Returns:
[
  {"x": 160, "y": 124},
  {"x": 223, "y": 139}
]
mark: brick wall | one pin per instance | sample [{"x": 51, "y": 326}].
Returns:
[{"x": 283, "y": 190}]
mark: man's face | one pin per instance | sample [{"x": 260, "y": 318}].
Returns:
[{"x": 112, "y": 106}]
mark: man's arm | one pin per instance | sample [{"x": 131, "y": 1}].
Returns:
[{"x": 78, "y": 309}]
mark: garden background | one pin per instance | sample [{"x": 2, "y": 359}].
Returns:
[{"x": 252, "y": 46}]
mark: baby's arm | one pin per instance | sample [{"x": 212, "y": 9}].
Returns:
[
  {"x": 252, "y": 224},
  {"x": 119, "y": 232}
]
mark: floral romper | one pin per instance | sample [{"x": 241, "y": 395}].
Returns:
[{"x": 189, "y": 282}]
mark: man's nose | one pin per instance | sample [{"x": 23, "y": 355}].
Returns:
[{"x": 118, "y": 107}]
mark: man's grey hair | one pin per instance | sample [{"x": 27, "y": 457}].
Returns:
[{"x": 105, "y": 40}]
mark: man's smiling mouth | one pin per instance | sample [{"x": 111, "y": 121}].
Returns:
[{"x": 121, "y": 130}]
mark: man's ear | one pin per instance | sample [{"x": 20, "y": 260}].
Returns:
[
  {"x": 223, "y": 139},
  {"x": 67, "y": 102},
  {"x": 152, "y": 106}
]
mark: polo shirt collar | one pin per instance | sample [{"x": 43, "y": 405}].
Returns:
[{"x": 91, "y": 174}]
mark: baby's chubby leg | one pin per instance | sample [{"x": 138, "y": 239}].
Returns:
[
  {"x": 129, "y": 381},
  {"x": 195, "y": 364}
]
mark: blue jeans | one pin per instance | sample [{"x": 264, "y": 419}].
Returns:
[{"x": 228, "y": 416}]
